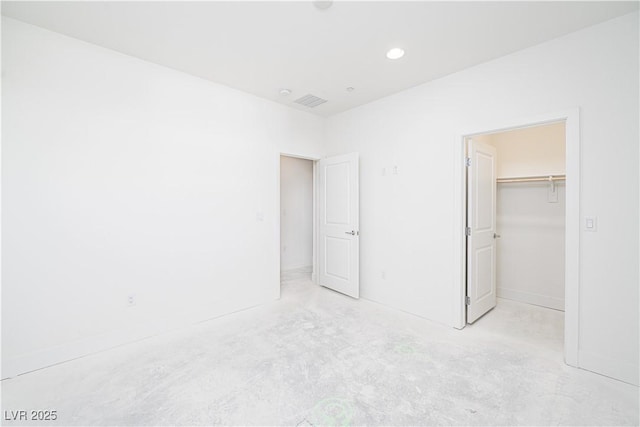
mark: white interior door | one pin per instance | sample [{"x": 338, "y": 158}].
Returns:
[
  {"x": 481, "y": 230},
  {"x": 338, "y": 241}
]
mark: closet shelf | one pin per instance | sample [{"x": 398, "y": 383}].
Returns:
[{"x": 541, "y": 178}]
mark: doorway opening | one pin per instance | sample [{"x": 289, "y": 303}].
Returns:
[
  {"x": 520, "y": 222},
  {"x": 516, "y": 218},
  {"x": 296, "y": 218},
  {"x": 319, "y": 221}
]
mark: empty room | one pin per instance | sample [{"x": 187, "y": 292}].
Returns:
[{"x": 320, "y": 213}]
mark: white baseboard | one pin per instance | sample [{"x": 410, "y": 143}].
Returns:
[
  {"x": 531, "y": 298},
  {"x": 49, "y": 356},
  {"x": 301, "y": 269},
  {"x": 620, "y": 370}
]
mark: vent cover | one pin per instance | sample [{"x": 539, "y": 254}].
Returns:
[{"x": 310, "y": 101}]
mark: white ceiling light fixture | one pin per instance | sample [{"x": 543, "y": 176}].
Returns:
[
  {"x": 351, "y": 89},
  {"x": 395, "y": 53},
  {"x": 285, "y": 92}
]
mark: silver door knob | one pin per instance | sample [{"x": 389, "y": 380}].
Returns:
[
  {"x": 496, "y": 236},
  {"x": 353, "y": 233}
]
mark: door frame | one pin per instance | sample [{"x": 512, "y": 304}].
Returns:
[
  {"x": 314, "y": 225},
  {"x": 571, "y": 118}
]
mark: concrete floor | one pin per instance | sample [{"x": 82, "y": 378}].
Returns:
[{"x": 316, "y": 357}]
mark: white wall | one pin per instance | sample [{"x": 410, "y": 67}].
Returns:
[
  {"x": 530, "y": 264},
  {"x": 532, "y": 151},
  {"x": 296, "y": 213},
  {"x": 120, "y": 178},
  {"x": 407, "y": 220}
]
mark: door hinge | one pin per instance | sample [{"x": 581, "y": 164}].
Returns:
[
  {"x": 467, "y": 300},
  {"x": 467, "y": 161},
  {"x": 467, "y": 231}
]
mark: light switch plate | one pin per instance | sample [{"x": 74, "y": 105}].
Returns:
[{"x": 591, "y": 223}]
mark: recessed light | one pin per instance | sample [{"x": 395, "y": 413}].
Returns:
[
  {"x": 285, "y": 92},
  {"x": 351, "y": 89},
  {"x": 395, "y": 53}
]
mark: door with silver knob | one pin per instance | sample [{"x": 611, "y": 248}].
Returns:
[
  {"x": 338, "y": 235},
  {"x": 481, "y": 230}
]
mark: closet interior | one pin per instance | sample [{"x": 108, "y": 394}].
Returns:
[{"x": 530, "y": 214}]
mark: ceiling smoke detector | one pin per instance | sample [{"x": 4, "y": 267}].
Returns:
[
  {"x": 310, "y": 101},
  {"x": 285, "y": 92},
  {"x": 322, "y": 4}
]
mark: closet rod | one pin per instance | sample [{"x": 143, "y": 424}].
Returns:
[{"x": 534, "y": 178}]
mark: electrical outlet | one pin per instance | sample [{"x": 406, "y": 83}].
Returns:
[{"x": 131, "y": 300}]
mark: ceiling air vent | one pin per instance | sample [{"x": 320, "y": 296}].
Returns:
[{"x": 310, "y": 101}]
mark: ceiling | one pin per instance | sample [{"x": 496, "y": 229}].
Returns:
[{"x": 261, "y": 47}]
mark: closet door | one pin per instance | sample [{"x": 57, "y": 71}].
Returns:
[{"x": 481, "y": 230}]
